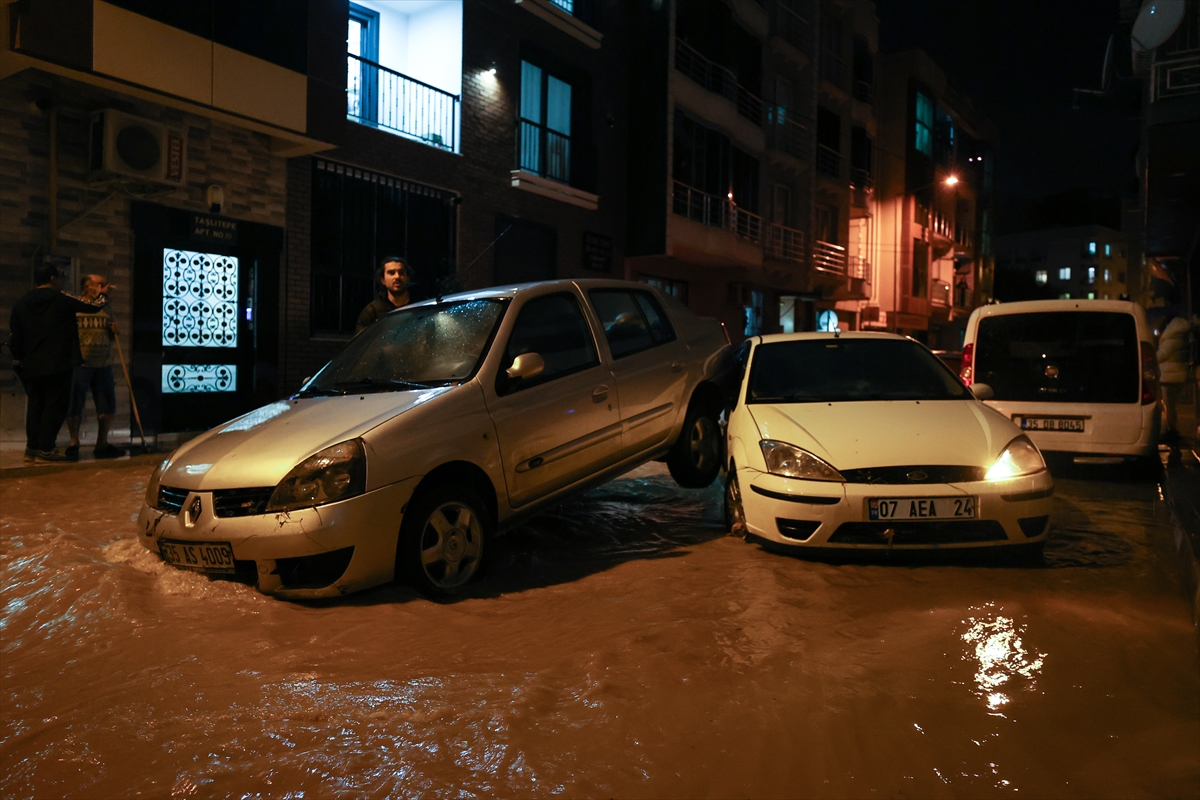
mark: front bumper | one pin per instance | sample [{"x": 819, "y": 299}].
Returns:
[
  {"x": 821, "y": 514},
  {"x": 369, "y": 523}
]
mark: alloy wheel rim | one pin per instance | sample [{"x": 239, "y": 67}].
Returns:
[
  {"x": 702, "y": 443},
  {"x": 735, "y": 514},
  {"x": 451, "y": 545}
]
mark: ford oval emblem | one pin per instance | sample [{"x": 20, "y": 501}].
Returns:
[
  {"x": 1051, "y": 371},
  {"x": 916, "y": 476}
]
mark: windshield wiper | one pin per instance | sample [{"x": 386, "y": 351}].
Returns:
[
  {"x": 320, "y": 392},
  {"x": 379, "y": 383}
]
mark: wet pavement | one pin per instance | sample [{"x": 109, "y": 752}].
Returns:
[{"x": 622, "y": 646}]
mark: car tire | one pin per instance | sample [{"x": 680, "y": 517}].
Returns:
[
  {"x": 443, "y": 540},
  {"x": 695, "y": 459},
  {"x": 735, "y": 512}
]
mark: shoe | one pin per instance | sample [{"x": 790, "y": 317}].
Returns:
[
  {"x": 109, "y": 451},
  {"x": 30, "y": 455},
  {"x": 72, "y": 452},
  {"x": 50, "y": 457}
]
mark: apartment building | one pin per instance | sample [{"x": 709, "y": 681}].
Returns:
[
  {"x": 240, "y": 168},
  {"x": 932, "y": 208},
  {"x": 1087, "y": 262},
  {"x": 751, "y": 165}
]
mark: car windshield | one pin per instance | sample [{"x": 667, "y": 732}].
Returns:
[
  {"x": 413, "y": 348},
  {"x": 840, "y": 370}
]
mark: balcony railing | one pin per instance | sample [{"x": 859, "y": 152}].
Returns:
[
  {"x": 858, "y": 267},
  {"x": 715, "y": 212},
  {"x": 860, "y": 178},
  {"x": 833, "y": 67},
  {"x": 718, "y": 79},
  {"x": 785, "y": 243},
  {"x": 383, "y": 98},
  {"x": 1175, "y": 77},
  {"x": 787, "y": 135},
  {"x": 793, "y": 29},
  {"x": 544, "y": 151},
  {"x": 939, "y": 294},
  {"x": 941, "y": 225},
  {"x": 864, "y": 91},
  {"x": 829, "y": 161},
  {"x": 827, "y": 257}
]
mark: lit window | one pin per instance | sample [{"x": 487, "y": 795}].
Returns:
[
  {"x": 1064, "y": 274},
  {"x": 1107, "y": 275},
  {"x": 545, "y": 127},
  {"x": 1091, "y": 248},
  {"x": 1041, "y": 276},
  {"x": 924, "y": 124},
  {"x": 1108, "y": 251},
  {"x": 1065, "y": 296},
  {"x": 1091, "y": 274},
  {"x": 1091, "y": 295}
]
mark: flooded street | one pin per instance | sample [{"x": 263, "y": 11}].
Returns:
[{"x": 623, "y": 646}]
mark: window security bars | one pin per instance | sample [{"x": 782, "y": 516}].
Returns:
[
  {"x": 828, "y": 257},
  {"x": 829, "y": 161},
  {"x": 717, "y": 79},
  {"x": 200, "y": 299},
  {"x": 786, "y": 244},
  {"x": 716, "y": 212},
  {"x": 384, "y": 98},
  {"x": 194, "y": 378},
  {"x": 545, "y": 152}
]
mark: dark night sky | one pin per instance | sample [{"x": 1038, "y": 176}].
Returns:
[{"x": 1019, "y": 61}]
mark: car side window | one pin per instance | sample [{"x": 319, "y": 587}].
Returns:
[
  {"x": 632, "y": 321},
  {"x": 553, "y": 327}
]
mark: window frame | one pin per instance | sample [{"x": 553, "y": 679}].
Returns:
[
  {"x": 654, "y": 304},
  {"x": 503, "y": 388}
]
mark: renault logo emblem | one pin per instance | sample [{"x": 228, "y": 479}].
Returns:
[
  {"x": 916, "y": 476},
  {"x": 193, "y": 512}
]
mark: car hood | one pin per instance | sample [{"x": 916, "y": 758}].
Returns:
[
  {"x": 889, "y": 433},
  {"x": 260, "y": 448}
]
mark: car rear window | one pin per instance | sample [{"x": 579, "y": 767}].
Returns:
[{"x": 1059, "y": 357}]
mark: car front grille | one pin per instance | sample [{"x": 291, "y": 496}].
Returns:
[
  {"x": 241, "y": 502},
  {"x": 914, "y": 474},
  {"x": 958, "y": 531},
  {"x": 170, "y": 499}
]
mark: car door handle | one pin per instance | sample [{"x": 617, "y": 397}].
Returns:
[
  {"x": 676, "y": 366},
  {"x": 599, "y": 394}
]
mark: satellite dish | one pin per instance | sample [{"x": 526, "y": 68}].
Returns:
[{"x": 1155, "y": 23}]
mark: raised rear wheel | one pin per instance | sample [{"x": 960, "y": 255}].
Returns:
[
  {"x": 695, "y": 458},
  {"x": 442, "y": 540}
]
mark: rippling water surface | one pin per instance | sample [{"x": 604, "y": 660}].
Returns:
[{"x": 621, "y": 646}]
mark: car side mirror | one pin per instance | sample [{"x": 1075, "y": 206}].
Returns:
[
  {"x": 526, "y": 365},
  {"x": 982, "y": 391}
]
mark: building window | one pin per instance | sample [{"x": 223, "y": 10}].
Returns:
[
  {"x": 1091, "y": 274},
  {"x": 1041, "y": 276},
  {"x": 924, "y": 124},
  {"x": 1091, "y": 295},
  {"x": 705, "y": 162},
  {"x": 754, "y": 314},
  {"x": 1091, "y": 248},
  {"x": 358, "y": 217},
  {"x": 676, "y": 289},
  {"x": 545, "y": 123},
  {"x": 920, "y": 268},
  {"x": 860, "y": 157},
  {"x": 1108, "y": 251},
  {"x": 1064, "y": 274},
  {"x": 1107, "y": 276},
  {"x": 1065, "y": 296}
]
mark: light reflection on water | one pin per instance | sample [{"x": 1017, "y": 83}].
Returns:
[{"x": 996, "y": 647}]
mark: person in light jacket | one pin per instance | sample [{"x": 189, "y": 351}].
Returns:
[{"x": 1173, "y": 357}]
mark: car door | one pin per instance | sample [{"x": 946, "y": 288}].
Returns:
[
  {"x": 563, "y": 424},
  {"x": 649, "y": 362}
]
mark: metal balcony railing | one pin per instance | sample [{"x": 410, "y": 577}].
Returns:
[
  {"x": 939, "y": 294},
  {"x": 829, "y": 161},
  {"x": 860, "y": 178},
  {"x": 858, "y": 267},
  {"x": 715, "y": 211},
  {"x": 941, "y": 225},
  {"x": 544, "y": 151},
  {"x": 715, "y": 78},
  {"x": 383, "y": 98},
  {"x": 793, "y": 29},
  {"x": 1175, "y": 77},
  {"x": 827, "y": 257},
  {"x": 787, "y": 135},
  {"x": 786, "y": 244},
  {"x": 864, "y": 91}
]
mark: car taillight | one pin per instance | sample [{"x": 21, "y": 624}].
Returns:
[
  {"x": 966, "y": 373},
  {"x": 1149, "y": 374}
]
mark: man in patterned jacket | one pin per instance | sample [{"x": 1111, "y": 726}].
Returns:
[{"x": 96, "y": 333}]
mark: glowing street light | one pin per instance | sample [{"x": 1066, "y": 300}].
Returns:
[{"x": 951, "y": 180}]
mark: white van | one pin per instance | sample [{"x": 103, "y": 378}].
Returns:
[{"x": 1078, "y": 376}]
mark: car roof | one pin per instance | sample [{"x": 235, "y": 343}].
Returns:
[
  {"x": 1034, "y": 306},
  {"x": 798, "y": 337},
  {"x": 511, "y": 290}
]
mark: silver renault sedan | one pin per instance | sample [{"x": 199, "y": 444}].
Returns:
[{"x": 439, "y": 425}]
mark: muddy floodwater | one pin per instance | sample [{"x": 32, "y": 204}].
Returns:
[{"x": 621, "y": 646}]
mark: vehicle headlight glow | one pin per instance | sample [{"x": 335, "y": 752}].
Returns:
[
  {"x": 152, "y": 484},
  {"x": 792, "y": 462},
  {"x": 1020, "y": 458},
  {"x": 335, "y": 473}
]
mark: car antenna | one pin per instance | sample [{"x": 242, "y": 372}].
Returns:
[{"x": 837, "y": 333}]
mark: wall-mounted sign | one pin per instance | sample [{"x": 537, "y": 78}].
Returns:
[
  {"x": 209, "y": 228},
  {"x": 597, "y": 252}
]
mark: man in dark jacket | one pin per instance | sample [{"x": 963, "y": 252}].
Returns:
[
  {"x": 392, "y": 280},
  {"x": 45, "y": 349}
]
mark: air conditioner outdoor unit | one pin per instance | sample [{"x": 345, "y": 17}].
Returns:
[{"x": 125, "y": 146}]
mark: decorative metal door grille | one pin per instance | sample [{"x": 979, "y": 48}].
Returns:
[
  {"x": 190, "y": 378},
  {"x": 200, "y": 300}
]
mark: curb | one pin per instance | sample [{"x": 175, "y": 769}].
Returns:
[
  {"x": 140, "y": 460},
  {"x": 1181, "y": 491}
]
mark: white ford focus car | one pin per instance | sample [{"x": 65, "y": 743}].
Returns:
[
  {"x": 866, "y": 440},
  {"x": 438, "y": 425}
]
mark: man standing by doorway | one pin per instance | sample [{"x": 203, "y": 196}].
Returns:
[
  {"x": 392, "y": 281},
  {"x": 45, "y": 349},
  {"x": 96, "y": 334}
]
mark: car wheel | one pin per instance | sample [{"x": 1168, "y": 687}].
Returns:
[
  {"x": 695, "y": 458},
  {"x": 735, "y": 514},
  {"x": 442, "y": 540}
]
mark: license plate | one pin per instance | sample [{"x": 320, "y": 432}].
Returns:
[
  {"x": 1058, "y": 424},
  {"x": 905, "y": 508},
  {"x": 199, "y": 556}
]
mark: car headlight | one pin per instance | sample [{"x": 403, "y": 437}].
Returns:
[
  {"x": 152, "y": 484},
  {"x": 789, "y": 460},
  {"x": 334, "y": 473},
  {"x": 1021, "y": 457}
]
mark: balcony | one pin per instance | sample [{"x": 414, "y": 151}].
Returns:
[
  {"x": 785, "y": 244},
  {"x": 1175, "y": 77},
  {"x": 833, "y": 68},
  {"x": 786, "y": 135},
  {"x": 544, "y": 152},
  {"x": 864, "y": 91},
  {"x": 829, "y": 258},
  {"x": 858, "y": 268},
  {"x": 829, "y": 161},
  {"x": 793, "y": 29},
  {"x": 718, "y": 79},
  {"x": 383, "y": 98},
  {"x": 939, "y": 295},
  {"x": 715, "y": 212}
]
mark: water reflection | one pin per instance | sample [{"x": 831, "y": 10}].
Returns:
[{"x": 1000, "y": 656}]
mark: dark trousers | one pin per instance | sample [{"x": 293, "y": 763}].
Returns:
[{"x": 47, "y": 397}]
